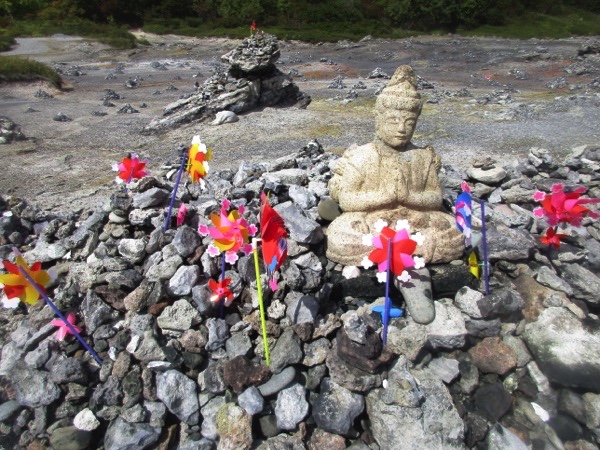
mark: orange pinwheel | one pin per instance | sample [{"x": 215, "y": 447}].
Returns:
[
  {"x": 198, "y": 157},
  {"x": 17, "y": 286}
]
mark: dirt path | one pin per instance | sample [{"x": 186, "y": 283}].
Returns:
[{"x": 67, "y": 164}]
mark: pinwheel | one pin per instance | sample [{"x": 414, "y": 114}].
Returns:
[
  {"x": 29, "y": 284},
  {"x": 16, "y": 284},
  {"x": 462, "y": 211},
  {"x": 564, "y": 207},
  {"x": 195, "y": 161},
  {"x": 393, "y": 255},
  {"x": 181, "y": 214},
  {"x": 230, "y": 231},
  {"x": 474, "y": 264},
  {"x": 552, "y": 238},
  {"x": 274, "y": 244},
  {"x": 130, "y": 168},
  {"x": 274, "y": 248},
  {"x": 221, "y": 291},
  {"x": 63, "y": 329},
  {"x": 231, "y": 234}
]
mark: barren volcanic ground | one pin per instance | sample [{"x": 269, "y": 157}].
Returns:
[{"x": 490, "y": 96}]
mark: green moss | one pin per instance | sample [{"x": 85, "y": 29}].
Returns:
[{"x": 14, "y": 68}]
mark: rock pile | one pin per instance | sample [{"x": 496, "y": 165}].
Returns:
[
  {"x": 251, "y": 80},
  {"x": 9, "y": 131},
  {"x": 517, "y": 368}
]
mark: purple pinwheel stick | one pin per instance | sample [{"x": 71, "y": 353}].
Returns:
[
  {"x": 184, "y": 157},
  {"x": 61, "y": 316},
  {"x": 388, "y": 302},
  {"x": 486, "y": 274}
]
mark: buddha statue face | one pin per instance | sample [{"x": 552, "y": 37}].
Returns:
[{"x": 395, "y": 127}]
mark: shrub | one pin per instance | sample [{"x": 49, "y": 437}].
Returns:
[{"x": 14, "y": 68}]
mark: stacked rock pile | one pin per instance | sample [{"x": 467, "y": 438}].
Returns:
[
  {"x": 518, "y": 368},
  {"x": 250, "y": 80}
]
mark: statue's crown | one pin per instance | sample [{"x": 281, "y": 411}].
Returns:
[{"x": 401, "y": 92}]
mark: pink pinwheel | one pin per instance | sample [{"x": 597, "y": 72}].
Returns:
[
  {"x": 221, "y": 291},
  {"x": 181, "y": 213},
  {"x": 130, "y": 168},
  {"x": 230, "y": 232},
  {"x": 402, "y": 249},
  {"x": 63, "y": 329},
  {"x": 564, "y": 207}
]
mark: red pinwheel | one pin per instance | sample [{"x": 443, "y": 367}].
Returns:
[
  {"x": 564, "y": 207},
  {"x": 221, "y": 291},
  {"x": 274, "y": 243},
  {"x": 130, "y": 168},
  {"x": 552, "y": 237}
]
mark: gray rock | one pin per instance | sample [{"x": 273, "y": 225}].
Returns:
[
  {"x": 179, "y": 395},
  {"x": 186, "y": 240},
  {"x": 214, "y": 378},
  {"x": 302, "y": 197},
  {"x": 492, "y": 175},
  {"x": 7, "y": 409},
  {"x": 467, "y": 300},
  {"x": 336, "y": 408},
  {"x": 287, "y": 351},
  {"x": 500, "y": 303},
  {"x": 546, "y": 277},
  {"x": 238, "y": 344},
  {"x": 133, "y": 250},
  {"x": 402, "y": 388},
  {"x": 218, "y": 332},
  {"x": 149, "y": 350},
  {"x": 157, "y": 412},
  {"x": 566, "y": 349},
  {"x": 34, "y": 388},
  {"x": 500, "y": 438},
  {"x": 509, "y": 244},
  {"x": 585, "y": 284},
  {"x": 351, "y": 378},
  {"x": 209, "y": 415},
  {"x": 278, "y": 382},
  {"x": 445, "y": 369},
  {"x": 301, "y": 228},
  {"x": 251, "y": 401},
  {"x": 70, "y": 438},
  {"x": 301, "y": 308},
  {"x": 291, "y": 407},
  {"x": 68, "y": 370},
  {"x": 95, "y": 312},
  {"x": 165, "y": 269},
  {"x": 435, "y": 424},
  {"x": 152, "y": 197},
  {"x": 315, "y": 352},
  {"x": 182, "y": 282},
  {"x": 122, "y": 435},
  {"x": 448, "y": 330},
  {"x": 180, "y": 316}
]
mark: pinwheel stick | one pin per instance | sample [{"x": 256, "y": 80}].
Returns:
[
  {"x": 184, "y": 156},
  {"x": 263, "y": 321},
  {"x": 486, "y": 274},
  {"x": 387, "y": 302},
  {"x": 222, "y": 299},
  {"x": 61, "y": 316}
]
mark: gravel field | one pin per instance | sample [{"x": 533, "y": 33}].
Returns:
[{"x": 486, "y": 97}]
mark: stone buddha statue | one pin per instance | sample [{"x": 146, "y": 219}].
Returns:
[{"x": 391, "y": 179}]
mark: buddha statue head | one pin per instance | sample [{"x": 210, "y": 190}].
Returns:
[{"x": 397, "y": 109}]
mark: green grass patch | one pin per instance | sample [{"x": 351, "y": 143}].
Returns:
[
  {"x": 116, "y": 37},
  {"x": 6, "y": 42},
  {"x": 536, "y": 25},
  {"x": 14, "y": 68}
]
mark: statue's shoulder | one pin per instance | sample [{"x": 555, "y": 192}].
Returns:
[{"x": 359, "y": 154}]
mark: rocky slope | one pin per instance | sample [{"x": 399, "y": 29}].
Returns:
[{"x": 517, "y": 368}]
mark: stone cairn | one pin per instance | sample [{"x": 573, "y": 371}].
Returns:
[
  {"x": 516, "y": 369},
  {"x": 250, "y": 81}
]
